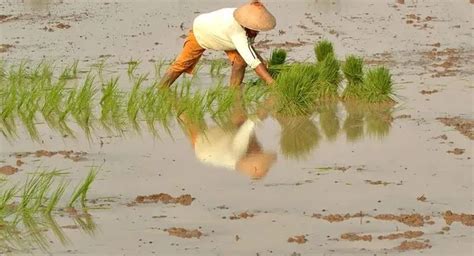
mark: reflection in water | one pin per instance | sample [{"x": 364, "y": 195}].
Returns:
[
  {"x": 30, "y": 231},
  {"x": 328, "y": 119},
  {"x": 40, "y": 5},
  {"x": 354, "y": 123},
  {"x": 233, "y": 145},
  {"x": 299, "y": 136}
]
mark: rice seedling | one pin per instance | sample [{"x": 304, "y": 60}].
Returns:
[
  {"x": 299, "y": 136},
  {"x": 329, "y": 120},
  {"x": 133, "y": 103},
  {"x": 278, "y": 57},
  {"x": 323, "y": 49},
  {"x": 378, "y": 86},
  {"x": 55, "y": 197},
  {"x": 52, "y": 101},
  {"x": 354, "y": 74},
  {"x": 132, "y": 67},
  {"x": 80, "y": 192},
  {"x": 113, "y": 106},
  {"x": 329, "y": 78},
  {"x": 70, "y": 72},
  {"x": 159, "y": 64},
  {"x": 216, "y": 67},
  {"x": 295, "y": 89},
  {"x": 82, "y": 103},
  {"x": 219, "y": 101}
]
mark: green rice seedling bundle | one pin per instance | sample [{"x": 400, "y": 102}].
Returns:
[
  {"x": 378, "y": 86},
  {"x": 323, "y": 49},
  {"x": 277, "y": 61},
  {"x": 299, "y": 136},
  {"x": 82, "y": 105},
  {"x": 295, "y": 89},
  {"x": 329, "y": 78},
  {"x": 354, "y": 74}
]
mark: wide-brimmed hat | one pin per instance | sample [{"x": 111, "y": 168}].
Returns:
[{"x": 255, "y": 16}]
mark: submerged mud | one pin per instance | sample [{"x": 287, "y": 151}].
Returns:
[
  {"x": 406, "y": 235},
  {"x": 165, "y": 198},
  {"x": 356, "y": 237},
  {"x": 465, "y": 219},
  {"x": 465, "y": 126},
  {"x": 8, "y": 170},
  {"x": 184, "y": 233},
  {"x": 299, "y": 239},
  {"x": 412, "y": 245}
]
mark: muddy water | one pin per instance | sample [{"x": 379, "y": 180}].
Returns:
[{"x": 378, "y": 173}]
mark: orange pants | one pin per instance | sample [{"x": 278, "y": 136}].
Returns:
[{"x": 192, "y": 52}]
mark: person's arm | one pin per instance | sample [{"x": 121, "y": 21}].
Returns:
[{"x": 262, "y": 72}]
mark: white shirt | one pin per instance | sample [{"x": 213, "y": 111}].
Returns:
[
  {"x": 219, "y": 30},
  {"x": 224, "y": 148}
]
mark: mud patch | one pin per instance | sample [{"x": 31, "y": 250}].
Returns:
[
  {"x": 267, "y": 44},
  {"x": 301, "y": 239},
  {"x": 406, "y": 235},
  {"x": 243, "y": 215},
  {"x": 67, "y": 154},
  {"x": 19, "y": 163},
  {"x": 338, "y": 217},
  {"x": 427, "y": 92},
  {"x": 465, "y": 126},
  {"x": 412, "y": 220},
  {"x": 184, "y": 233},
  {"x": 5, "y": 47},
  {"x": 8, "y": 170},
  {"x": 412, "y": 245},
  {"x": 465, "y": 219},
  {"x": 164, "y": 198},
  {"x": 356, "y": 237},
  {"x": 456, "y": 151}
]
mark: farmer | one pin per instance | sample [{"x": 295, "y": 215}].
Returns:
[{"x": 232, "y": 30}]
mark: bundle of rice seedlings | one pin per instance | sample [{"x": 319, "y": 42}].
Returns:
[
  {"x": 278, "y": 57},
  {"x": 354, "y": 74},
  {"x": 323, "y": 49},
  {"x": 329, "y": 78},
  {"x": 299, "y": 136},
  {"x": 82, "y": 103},
  {"x": 295, "y": 89},
  {"x": 113, "y": 106},
  {"x": 378, "y": 86}
]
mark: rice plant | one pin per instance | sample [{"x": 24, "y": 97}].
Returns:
[
  {"x": 113, "y": 106},
  {"x": 132, "y": 67},
  {"x": 278, "y": 57},
  {"x": 81, "y": 105},
  {"x": 378, "y": 86},
  {"x": 329, "y": 78},
  {"x": 323, "y": 49},
  {"x": 354, "y": 74},
  {"x": 70, "y": 72},
  {"x": 80, "y": 192},
  {"x": 295, "y": 89},
  {"x": 216, "y": 67}
]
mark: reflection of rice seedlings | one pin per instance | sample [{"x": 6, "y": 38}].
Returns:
[
  {"x": 299, "y": 136},
  {"x": 112, "y": 106},
  {"x": 80, "y": 192},
  {"x": 354, "y": 74},
  {"x": 329, "y": 78},
  {"x": 323, "y": 49},
  {"x": 329, "y": 120},
  {"x": 70, "y": 72},
  {"x": 86, "y": 223},
  {"x": 219, "y": 101},
  {"x": 55, "y": 197},
  {"x": 216, "y": 67},
  {"x": 378, "y": 120},
  {"x": 295, "y": 89},
  {"x": 354, "y": 123},
  {"x": 100, "y": 66},
  {"x": 378, "y": 86},
  {"x": 132, "y": 67},
  {"x": 254, "y": 96},
  {"x": 55, "y": 228}
]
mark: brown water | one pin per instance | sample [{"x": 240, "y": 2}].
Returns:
[{"x": 336, "y": 169}]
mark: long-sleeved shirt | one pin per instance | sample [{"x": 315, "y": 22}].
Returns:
[{"x": 219, "y": 30}]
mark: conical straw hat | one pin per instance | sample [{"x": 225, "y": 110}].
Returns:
[{"x": 255, "y": 16}]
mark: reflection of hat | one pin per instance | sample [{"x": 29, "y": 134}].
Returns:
[
  {"x": 255, "y": 16},
  {"x": 256, "y": 165}
]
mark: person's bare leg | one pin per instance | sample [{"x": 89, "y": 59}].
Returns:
[
  {"x": 168, "y": 79},
  {"x": 238, "y": 73}
]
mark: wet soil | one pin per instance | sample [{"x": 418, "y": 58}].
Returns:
[
  {"x": 8, "y": 170},
  {"x": 465, "y": 126},
  {"x": 184, "y": 233},
  {"x": 406, "y": 235},
  {"x": 412, "y": 245},
  {"x": 356, "y": 237},
  {"x": 165, "y": 198},
  {"x": 300, "y": 239},
  {"x": 412, "y": 220},
  {"x": 242, "y": 215},
  {"x": 75, "y": 156},
  {"x": 457, "y": 151},
  {"x": 465, "y": 219}
]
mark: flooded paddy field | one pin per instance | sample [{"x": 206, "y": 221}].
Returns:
[{"x": 346, "y": 179}]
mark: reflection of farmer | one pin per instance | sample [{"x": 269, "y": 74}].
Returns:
[
  {"x": 234, "y": 148},
  {"x": 231, "y": 30}
]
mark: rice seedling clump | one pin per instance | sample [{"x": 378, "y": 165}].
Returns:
[
  {"x": 354, "y": 74},
  {"x": 378, "y": 86}
]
